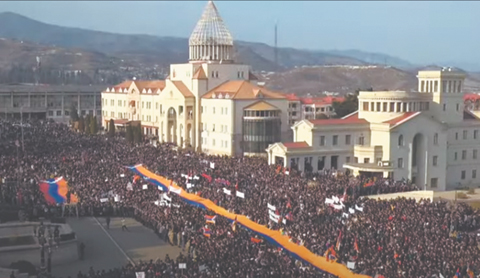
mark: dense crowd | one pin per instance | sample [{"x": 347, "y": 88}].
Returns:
[{"x": 397, "y": 238}]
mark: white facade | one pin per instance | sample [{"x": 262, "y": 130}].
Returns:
[
  {"x": 426, "y": 136},
  {"x": 201, "y": 105},
  {"x": 49, "y": 101}
]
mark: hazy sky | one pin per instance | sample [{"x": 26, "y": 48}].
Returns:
[{"x": 421, "y": 32}]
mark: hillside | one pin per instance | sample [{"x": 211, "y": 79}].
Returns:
[{"x": 165, "y": 50}]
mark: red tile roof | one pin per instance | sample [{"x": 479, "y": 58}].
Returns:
[
  {"x": 292, "y": 97},
  {"x": 296, "y": 145},
  {"x": 472, "y": 97},
  {"x": 403, "y": 117},
  {"x": 348, "y": 120},
  {"x": 321, "y": 100}
]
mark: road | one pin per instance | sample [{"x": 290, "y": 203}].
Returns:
[{"x": 110, "y": 248}]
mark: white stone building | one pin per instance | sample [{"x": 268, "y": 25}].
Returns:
[
  {"x": 426, "y": 136},
  {"x": 210, "y": 104}
]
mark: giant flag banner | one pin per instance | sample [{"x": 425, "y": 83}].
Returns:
[
  {"x": 55, "y": 191},
  {"x": 274, "y": 237}
]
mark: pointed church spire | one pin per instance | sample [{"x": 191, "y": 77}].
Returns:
[{"x": 211, "y": 40}]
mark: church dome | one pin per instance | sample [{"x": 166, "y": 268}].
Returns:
[{"x": 211, "y": 40}]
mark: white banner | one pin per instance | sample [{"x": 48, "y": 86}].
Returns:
[
  {"x": 145, "y": 186},
  {"x": 336, "y": 199},
  {"x": 196, "y": 178},
  {"x": 165, "y": 197},
  {"x": 103, "y": 200},
  {"x": 176, "y": 191},
  {"x": 117, "y": 198},
  {"x": 273, "y": 219},
  {"x": 352, "y": 211},
  {"x": 337, "y": 207},
  {"x": 329, "y": 201},
  {"x": 122, "y": 175},
  {"x": 345, "y": 215},
  {"x": 212, "y": 165},
  {"x": 190, "y": 185},
  {"x": 226, "y": 191},
  {"x": 182, "y": 266},
  {"x": 140, "y": 274},
  {"x": 284, "y": 221},
  {"x": 359, "y": 208},
  {"x": 270, "y": 207},
  {"x": 272, "y": 214},
  {"x": 351, "y": 265},
  {"x": 240, "y": 194}
]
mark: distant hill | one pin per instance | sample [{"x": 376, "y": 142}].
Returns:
[
  {"x": 340, "y": 79},
  {"x": 74, "y": 55},
  {"x": 163, "y": 50}
]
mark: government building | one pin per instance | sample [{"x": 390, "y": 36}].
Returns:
[
  {"x": 210, "y": 104},
  {"x": 428, "y": 137},
  {"x": 49, "y": 101}
]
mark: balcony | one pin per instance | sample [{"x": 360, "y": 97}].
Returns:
[{"x": 367, "y": 151}]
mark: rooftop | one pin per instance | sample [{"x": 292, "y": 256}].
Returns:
[
  {"x": 347, "y": 120},
  {"x": 27, "y": 88},
  {"x": 296, "y": 145},
  {"x": 210, "y": 29},
  {"x": 242, "y": 89},
  {"x": 402, "y": 118}
]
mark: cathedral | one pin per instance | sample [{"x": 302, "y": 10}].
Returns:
[{"x": 211, "y": 104}]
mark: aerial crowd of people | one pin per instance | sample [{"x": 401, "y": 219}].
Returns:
[{"x": 326, "y": 212}]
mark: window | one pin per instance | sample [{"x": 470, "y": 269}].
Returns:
[
  {"x": 366, "y": 160},
  {"x": 156, "y": 105},
  {"x": 226, "y": 111},
  {"x": 474, "y": 174},
  {"x": 322, "y": 140},
  {"x": 112, "y": 102},
  {"x": 119, "y": 103},
  {"x": 347, "y": 139},
  {"x": 458, "y": 106},
  {"x": 50, "y": 113},
  {"x": 434, "y": 182},
  {"x": 463, "y": 175},
  {"x": 335, "y": 140},
  {"x": 213, "y": 110},
  {"x": 465, "y": 133},
  {"x": 435, "y": 160},
  {"x": 456, "y": 135},
  {"x": 213, "y": 129},
  {"x": 143, "y": 104},
  {"x": 365, "y": 106},
  {"x": 400, "y": 140},
  {"x": 378, "y": 106},
  {"x": 456, "y": 156},
  {"x": 361, "y": 140},
  {"x": 59, "y": 112},
  {"x": 385, "y": 106},
  {"x": 474, "y": 154},
  {"x": 435, "y": 139},
  {"x": 67, "y": 113},
  {"x": 464, "y": 155},
  {"x": 213, "y": 142},
  {"x": 475, "y": 134},
  {"x": 400, "y": 163},
  {"x": 444, "y": 107}
]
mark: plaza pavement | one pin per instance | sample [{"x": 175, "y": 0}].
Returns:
[{"x": 110, "y": 248}]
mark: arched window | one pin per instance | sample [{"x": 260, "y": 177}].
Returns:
[
  {"x": 400, "y": 140},
  {"x": 435, "y": 139}
]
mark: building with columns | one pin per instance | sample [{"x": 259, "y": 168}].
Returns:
[
  {"x": 210, "y": 104},
  {"x": 428, "y": 136},
  {"x": 49, "y": 101}
]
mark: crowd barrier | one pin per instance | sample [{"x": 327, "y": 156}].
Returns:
[{"x": 274, "y": 237}]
